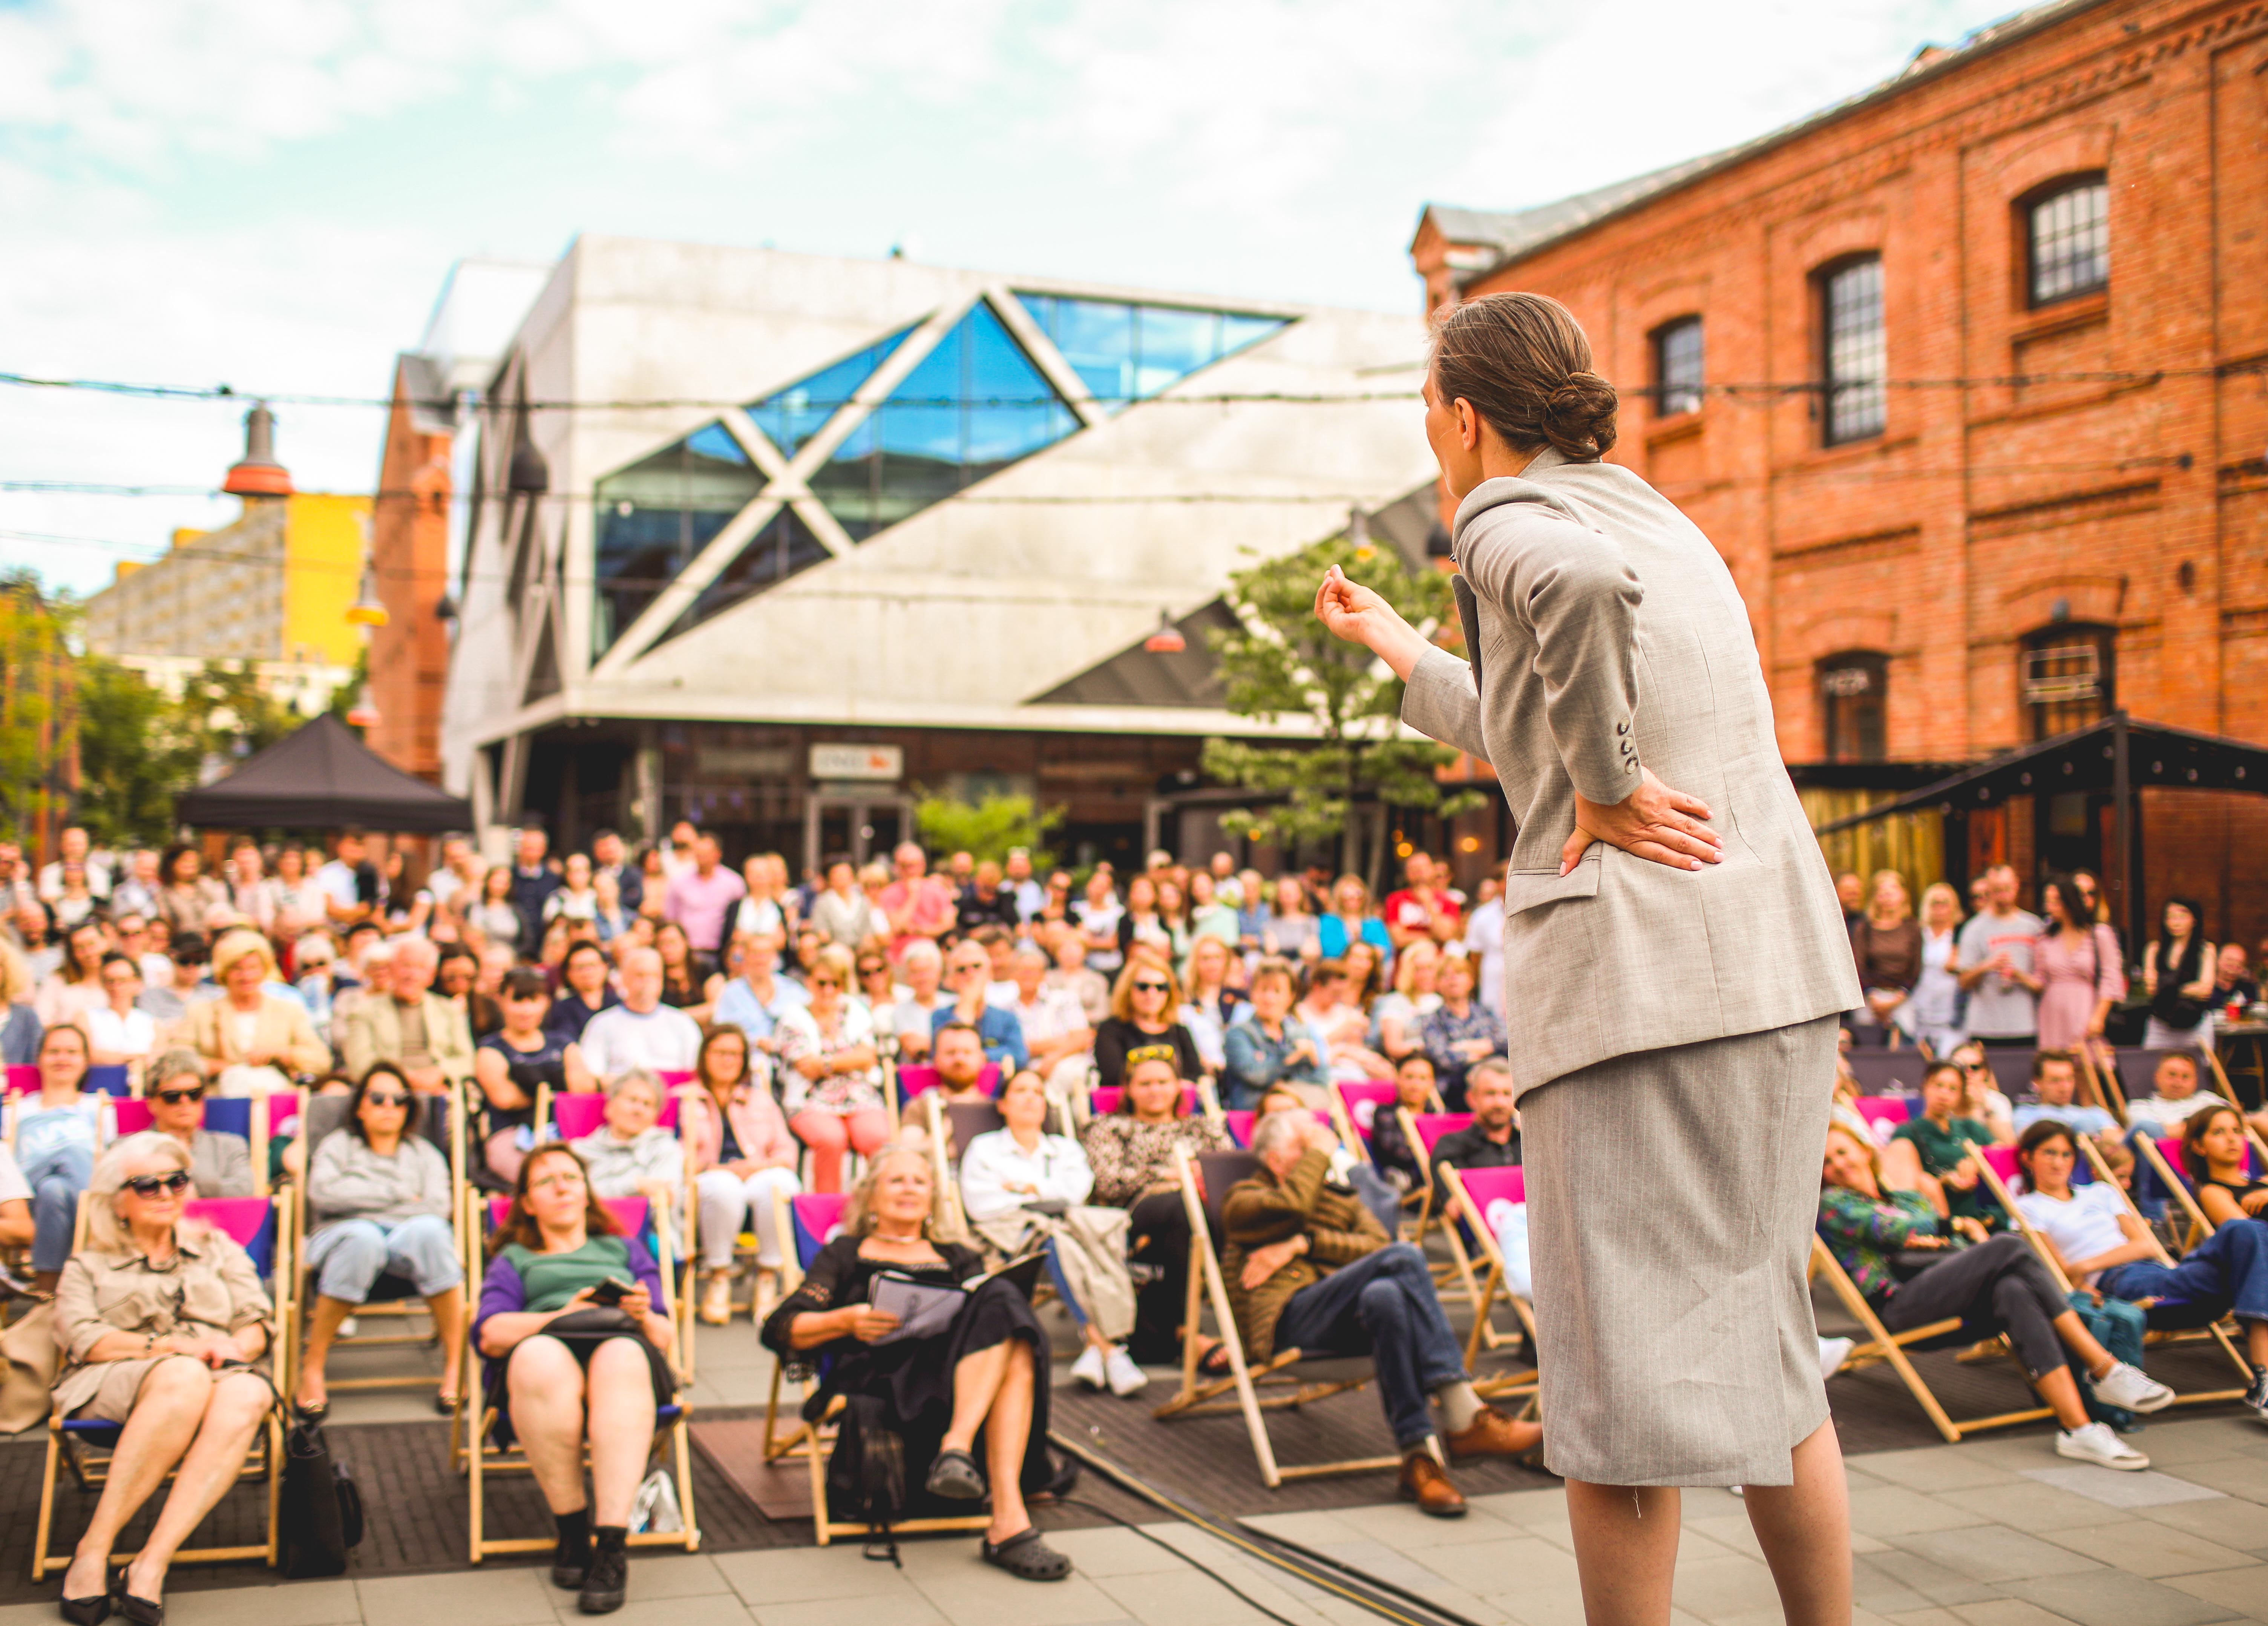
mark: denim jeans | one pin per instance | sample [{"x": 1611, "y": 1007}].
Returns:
[
  {"x": 349, "y": 1256},
  {"x": 56, "y": 1180},
  {"x": 2118, "y": 1327},
  {"x": 1382, "y": 1306},
  {"x": 2228, "y": 1270}
]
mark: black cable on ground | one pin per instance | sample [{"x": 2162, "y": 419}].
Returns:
[{"x": 1380, "y": 1598}]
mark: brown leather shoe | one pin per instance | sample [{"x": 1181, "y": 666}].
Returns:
[
  {"x": 1493, "y": 1434},
  {"x": 1426, "y": 1483}
]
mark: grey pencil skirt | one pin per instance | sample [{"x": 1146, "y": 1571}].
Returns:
[{"x": 1671, "y": 1200}]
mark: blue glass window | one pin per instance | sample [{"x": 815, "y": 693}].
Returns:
[
  {"x": 970, "y": 408},
  {"x": 1129, "y": 352},
  {"x": 654, "y": 516},
  {"x": 791, "y": 416},
  {"x": 783, "y": 547}
]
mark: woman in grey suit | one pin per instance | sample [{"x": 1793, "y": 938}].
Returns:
[{"x": 1674, "y": 960}]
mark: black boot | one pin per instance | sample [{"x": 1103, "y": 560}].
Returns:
[
  {"x": 571, "y": 1560},
  {"x": 610, "y": 1573}
]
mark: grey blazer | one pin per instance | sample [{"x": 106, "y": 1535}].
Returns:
[{"x": 1606, "y": 633}]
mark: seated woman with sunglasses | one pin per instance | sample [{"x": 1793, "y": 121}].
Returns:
[
  {"x": 220, "y": 1163},
  {"x": 568, "y": 1360},
  {"x": 1143, "y": 1022},
  {"x": 379, "y": 1194},
  {"x": 158, "y": 1317}
]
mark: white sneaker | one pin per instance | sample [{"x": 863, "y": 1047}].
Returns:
[
  {"x": 2095, "y": 1443},
  {"x": 1832, "y": 1353},
  {"x": 2130, "y": 1388},
  {"x": 349, "y": 1328},
  {"x": 1125, "y": 1378},
  {"x": 1088, "y": 1368}
]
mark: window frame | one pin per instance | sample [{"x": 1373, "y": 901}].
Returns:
[
  {"x": 2046, "y": 717},
  {"x": 1823, "y": 280},
  {"x": 1658, "y": 344},
  {"x": 1876, "y": 665},
  {"x": 2029, "y": 208}
]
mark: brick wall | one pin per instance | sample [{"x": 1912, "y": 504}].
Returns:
[
  {"x": 409, "y": 559},
  {"x": 1988, "y": 512}
]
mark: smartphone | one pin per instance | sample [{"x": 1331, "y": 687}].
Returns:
[{"x": 610, "y": 1292}]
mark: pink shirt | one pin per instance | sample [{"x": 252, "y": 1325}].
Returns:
[
  {"x": 932, "y": 909},
  {"x": 701, "y": 905}
]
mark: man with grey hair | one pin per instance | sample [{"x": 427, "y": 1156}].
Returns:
[
  {"x": 641, "y": 1032},
  {"x": 1309, "y": 1267},
  {"x": 915, "y": 1017},
  {"x": 410, "y": 1026}
]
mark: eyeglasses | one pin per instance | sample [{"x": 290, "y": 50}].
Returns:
[
  {"x": 174, "y": 1098},
  {"x": 150, "y": 1185},
  {"x": 1151, "y": 988},
  {"x": 873, "y": 971},
  {"x": 387, "y": 1097},
  {"x": 825, "y": 982}
]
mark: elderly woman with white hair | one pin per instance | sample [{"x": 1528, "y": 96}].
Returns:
[
  {"x": 922, "y": 966},
  {"x": 251, "y": 1041},
  {"x": 159, "y": 1317},
  {"x": 630, "y": 1155}
]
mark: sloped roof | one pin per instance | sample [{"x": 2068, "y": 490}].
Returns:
[
  {"x": 321, "y": 777},
  {"x": 1517, "y": 234}
]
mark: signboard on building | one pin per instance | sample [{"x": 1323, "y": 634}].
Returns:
[{"x": 857, "y": 762}]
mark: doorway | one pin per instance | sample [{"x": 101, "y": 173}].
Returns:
[{"x": 863, "y": 825}]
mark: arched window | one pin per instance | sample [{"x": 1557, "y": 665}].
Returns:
[
  {"x": 2067, "y": 677},
  {"x": 2068, "y": 233},
  {"x": 1677, "y": 367},
  {"x": 1854, "y": 353},
  {"x": 1854, "y": 691}
]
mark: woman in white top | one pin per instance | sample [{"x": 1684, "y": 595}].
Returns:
[
  {"x": 577, "y": 899},
  {"x": 1022, "y": 1188},
  {"x": 1397, "y": 1016},
  {"x": 120, "y": 1034},
  {"x": 1931, "y": 1015},
  {"x": 2091, "y": 1228},
  {"x": 760, "y": 911},
  {"x": 295, "y": 903}
]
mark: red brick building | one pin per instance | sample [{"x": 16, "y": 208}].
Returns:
[
  {"x": 409, "y": 562},
  {"x": 1968, "y": 378}
]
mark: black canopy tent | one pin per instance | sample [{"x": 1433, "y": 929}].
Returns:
[
  {"x": 2118, "y": 755},
  {"x": 321, "y": 777}
]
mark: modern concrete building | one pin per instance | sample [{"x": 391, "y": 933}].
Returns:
[
  {"x": 774, "y": 541},
  {"x": 273, "y": 588}
]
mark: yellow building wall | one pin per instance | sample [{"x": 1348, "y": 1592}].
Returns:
[
  {"x": 1912, "y": 843},
  {"x": 324, "y": 540}
]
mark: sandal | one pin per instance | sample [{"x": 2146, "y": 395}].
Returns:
[
  {"x": 1026, "y": 1557},
  {"x": 1214, "y": 1362},
  {"x": 956, "y": 1476}
]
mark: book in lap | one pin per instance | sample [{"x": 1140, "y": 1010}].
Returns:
[{"x": 925, "y": 1310}]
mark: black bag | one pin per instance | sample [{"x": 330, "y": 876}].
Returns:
[
  {"x": 866, "y": 1472},
  {"x": 319, "y": 1520}
]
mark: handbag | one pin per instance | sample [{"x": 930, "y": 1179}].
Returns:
[
  {"x": 318, "y": 1518},
  {"x": 33, "y": 1357},
  {"x": 866, "y": 1472}
]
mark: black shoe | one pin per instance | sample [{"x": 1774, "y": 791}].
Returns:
[
  {"x": 607, "y": 1580},
  {"x": 141, "y": 1611},
  {"x": 571, "y": 1559},
  {"x": 2256, "y": 1398},
  {"x": 86, "y": 1611}
]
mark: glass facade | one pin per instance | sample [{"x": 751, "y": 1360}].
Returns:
[
  {"x": 656, "y": 515},
  {"x": 782, "y": 546},
  {"x": 793, "y": 415},
  {"x": 1854, "y": 350},
  {"x": 970, "y": 408},
  {"x": 1127, "y": 352},
  {"x": 1677, "y": 367},
  {"x": 2071, "y": 241}
]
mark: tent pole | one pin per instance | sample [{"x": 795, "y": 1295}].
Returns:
[{"x": 2122, "y": 792}]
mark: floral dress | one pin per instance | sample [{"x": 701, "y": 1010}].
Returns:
[{"x": 800, "y": 1036}]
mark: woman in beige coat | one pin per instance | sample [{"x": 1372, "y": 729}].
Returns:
[{"x": 249, "y": 1040}]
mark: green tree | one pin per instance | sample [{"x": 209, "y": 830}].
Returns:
[
  {"x": 986, "y": 830},
  {"x": 35, "y": 721},
  {"x": 226, "y": 713},
  {"x": 134, "y": 757},
  {"x": 1283, "y": 663}
]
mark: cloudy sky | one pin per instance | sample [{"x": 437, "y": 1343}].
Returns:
[{"x": 268, "y": 192}]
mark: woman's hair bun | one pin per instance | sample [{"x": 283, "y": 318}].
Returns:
[{"x": 1579, "y": 417}]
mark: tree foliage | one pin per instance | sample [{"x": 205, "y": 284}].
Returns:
[
  {"x": 987, "y": 829},
  {"x": 34, "y": 723},
  {"x": 133, "y": 758},
  {"x": 1284, "y": 663}
]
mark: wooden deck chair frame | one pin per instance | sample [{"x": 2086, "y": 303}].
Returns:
[
  {"x": 478, "y": 1459},
  {"x": 1491, "y": 1284},
  {"x": 2218, "y": 1333},
  {"x": 1880, "y": 1344},
  {"x": 1198, "y": 1397},
  {"x": 1433, "y": 1210},
  {"x": 90, "y": 1465},
  {"x": 391, "y": 1308},
  {"x": 2102, "y": 1081}
]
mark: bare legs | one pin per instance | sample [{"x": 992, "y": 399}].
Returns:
[
  {"x": 448, "y": 1310},
  {"x": 1626, "y": 1542},
  {"x": 992, "y": 1389},
  {"x": 554, "y": 1411},
  {"x": 186, "y": 1415}
]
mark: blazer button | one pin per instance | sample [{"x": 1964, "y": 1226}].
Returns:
[{"x": 1622, "y": 728}]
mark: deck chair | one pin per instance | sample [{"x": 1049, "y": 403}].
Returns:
[
  {"x": 952, "y": 1125},
  {"x": 1998, "y": 1168},
  {"x": 393, "y": 1299},
  {"x": 810, "y": 1219},
  {"x": 2012, "y": 1071},
  {"x": 1887, "y": 1072},
  {"x": 1884, "y": 1114},
  {"x": 914, "y": 1082},
  {"x": 244, "y": 1116},
  {"x": 1475, "y": 1194},
  {"x": 115, "y": 1080},
  {"x": 1423, "y": 1131},
  {"x": 479, "y": 1457},
  {"x": 1206, "y": 1180},
  {"x": 1879, "y": 1344},
  {"x": 259, "y": 1226}
]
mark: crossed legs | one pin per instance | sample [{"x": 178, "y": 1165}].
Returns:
[{"x": 992, "y": 1391}]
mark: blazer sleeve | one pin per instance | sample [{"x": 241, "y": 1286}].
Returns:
[
  {"x": 306, "y": 1053},
  {"x": 357, "y": 1044},
  {"x": 1574, "y": 590},
  {"x": 1442, "y": 702}
]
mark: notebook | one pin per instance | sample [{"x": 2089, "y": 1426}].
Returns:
[{"x": 924, "y": 1308}]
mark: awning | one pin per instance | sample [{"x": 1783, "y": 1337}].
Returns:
[{"x": 321, "y": 777}]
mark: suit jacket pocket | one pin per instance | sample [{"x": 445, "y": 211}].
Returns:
[{"x": 1525, "y": 889}]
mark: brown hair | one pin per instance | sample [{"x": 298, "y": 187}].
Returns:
[
  {"x": 1524, "y": 363},
  {"x": 519, "y": 1225}
]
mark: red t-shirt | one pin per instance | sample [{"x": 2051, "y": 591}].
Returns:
[{"x": 1407, "y": 910}]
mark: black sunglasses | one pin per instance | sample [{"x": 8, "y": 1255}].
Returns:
[
  {"x": 1151, "y": 988},
  {"x": 150, "y": 1185},
  {"x": 174, "y": 1098},
  {"x": 387, "y": 1097}
]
